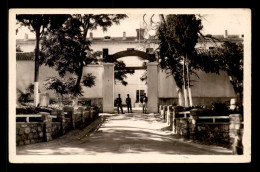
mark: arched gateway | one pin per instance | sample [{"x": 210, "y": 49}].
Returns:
[{"x": 108, "y": 80}]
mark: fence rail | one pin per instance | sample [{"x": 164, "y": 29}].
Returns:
[
  {"x": 27, "y": 117},
  {"x": 214, "y": 117},
  {"x": 185, "y": 113}
]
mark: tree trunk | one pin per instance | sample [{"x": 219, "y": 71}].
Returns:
[
  {"x": 190, "y": 96},
  {"x": 189, "y": 90},
  {"x": 36, "y": 69},
  {"x": 186, "y": 103},
  {"x": 79, "y": 74},
  {"x": 180, "y": 96}
]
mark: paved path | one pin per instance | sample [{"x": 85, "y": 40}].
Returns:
[{"x": 122, "y": 134}]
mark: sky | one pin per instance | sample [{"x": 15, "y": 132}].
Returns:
[{"x": 214, "y": 24}]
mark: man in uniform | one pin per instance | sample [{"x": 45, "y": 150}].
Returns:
[
  {"x": 128, "y": 103},
  {"x": 119, "y": 104},
  {"x": 144, "y": 100}
]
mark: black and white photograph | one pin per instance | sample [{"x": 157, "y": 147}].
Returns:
[{"x": 130, "y": 85}]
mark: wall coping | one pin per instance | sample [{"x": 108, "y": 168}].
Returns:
[
  {"x": 152, "y": 64},
  {"x": 94, "y": 65},
  {"x": 108, "y": 64}
]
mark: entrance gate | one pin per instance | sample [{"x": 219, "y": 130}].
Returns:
[{"x": 152, "y": 81}]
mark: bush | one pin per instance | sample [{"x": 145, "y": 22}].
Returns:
[
  {"x": 26, "y": 110},
  {"x": 31, "y": 110},
  {"x": 216, "y": 109},
  {"x": 219, "y": 108}
]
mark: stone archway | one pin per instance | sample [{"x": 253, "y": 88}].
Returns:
[
  {"x": 152, "y": 81},
  {"x": 131, "y": 52}
]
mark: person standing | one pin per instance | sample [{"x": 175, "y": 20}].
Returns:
[
  {"x": 144, "y": 100},
  {"x": 119, "y": 104},
  {"x": 128, "y": 103}
]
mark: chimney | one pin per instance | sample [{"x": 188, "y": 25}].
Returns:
[
  {"x": 226, "y": 34},
  {"x": 90, "y": 36},
  {"x": 141, "y": 32},
  {"x": 124, "y": 36},
  {"x": 25, "y": 36}
]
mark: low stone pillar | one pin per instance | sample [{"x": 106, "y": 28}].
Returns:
[
  {"x": 87, "y": 112},
  {"x": 194, "y": 115},
  {"x": 176, "y": 109},
  {"x": 73, "y": 119},
  {"x": 92, "y": 113},
  {"x": 71, "y": 115},
  {"x": 61, "y": 117},
  {"x": 236, "y": 133},
  {"x": 169, "y": 115},
  {"x": 46, "y": 119},
  {"x": 164, "y": 113},
  {"x": 161, "y": 109},
  {"x": 82, "y": 116},
  {"x": 183, "y": 127}
]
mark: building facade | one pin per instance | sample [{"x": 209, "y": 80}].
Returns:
[{"x": 207, "y": 89}]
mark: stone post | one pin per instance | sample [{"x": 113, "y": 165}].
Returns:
[
  {"x": 161, "y": 110},
  {"x": 82, "y": 115},
  {"x": 236, "y": 133},
  {"x": 164, "y": 113},
  {"x": 108, "y": 88},
  {"x": 152, "y": 87},
  {"x": 70, "y": 112},
  {"x": 176, "y": 109},
  {"x": 91, "y": 113},
  {"x": 88, "y": 112},
  {"x": 73, "y": 118},
  {"x": 169, "y": 115},
  {"x": 194, "y": 115},
  {"x": 46, "y": 119},
  {"x": 61, "y": 117}
]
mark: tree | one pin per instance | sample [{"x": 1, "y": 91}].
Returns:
[
  {"x": 228, "y": 57},
  {"x": 39, "y": 24},
  {"x": 61, "y": 86},
  {"x": 178, "y": 35},
  {"x": 67, "y": 49},
  {"x": 24, "y": 96},
  {"x": 234, "y": 66}
]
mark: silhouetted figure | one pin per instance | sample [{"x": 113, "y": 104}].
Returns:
[
  {"x": 128, "y": 103},
  {"x": 119, "y": 104},
  {"x": 144, "y": 101}
]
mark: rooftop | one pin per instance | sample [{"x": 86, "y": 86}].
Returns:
[{"x": 133, "y": 39}]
